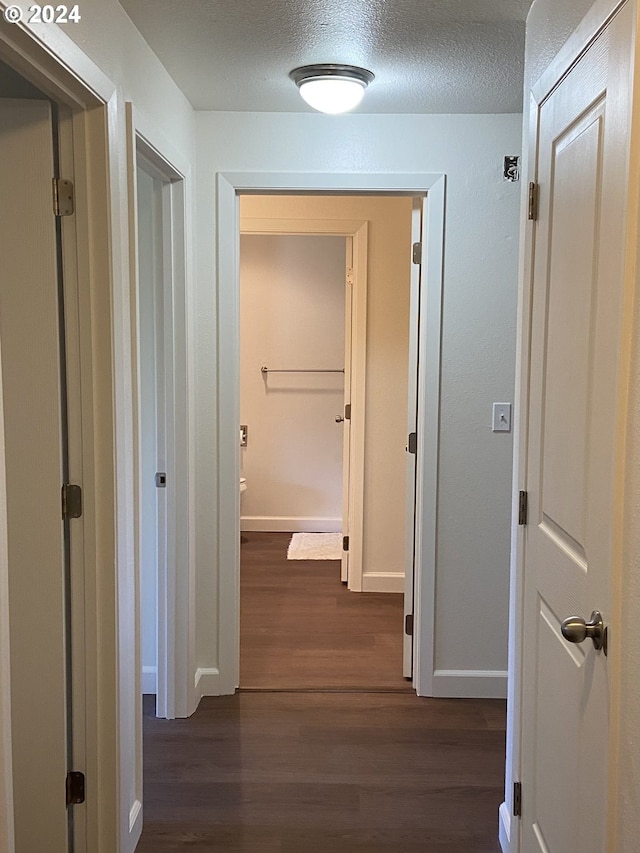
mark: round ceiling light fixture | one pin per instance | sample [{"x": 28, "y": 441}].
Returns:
[{"x": 332, "y": 88}]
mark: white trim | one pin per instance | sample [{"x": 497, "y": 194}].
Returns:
[
  {"x": 207, "y": 682},
  {"x": 383, "y": 582},
  {"x": 229, "y": 186},
  {"x": 149, "y": 679},
  {"x": 507, "y": 829},
  {"x": 289, "y": 524},
  {"x": 428, "y": 429},
  {"x": 175, "y": 594},
  {"x": 358, "y": 231},
  {"x": 135, "y": 818},
  {"x": 470, "y": 683}
]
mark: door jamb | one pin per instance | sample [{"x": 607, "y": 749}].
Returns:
[
  {"x": 357, "y": 230},
  {"x": 176, "y": 589},
  {"x": 229, "y": 186},
  {"x": 50, "y": 60}
]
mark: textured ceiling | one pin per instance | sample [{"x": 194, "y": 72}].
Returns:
[{"x": 429, "y": 56}]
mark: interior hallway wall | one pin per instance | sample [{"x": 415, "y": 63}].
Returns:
[
  {"x": 478, "y": 346},
  {"x": 292, "y": 315},
  {"x": 388, "y": 287}
]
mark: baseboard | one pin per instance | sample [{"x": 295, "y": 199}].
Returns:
[
  {"x": 505, "y": 830},
  {"x": 289, "y": 524},
  {"x": 470, "y": 684},
  {"x": 149, "y": 679},
  {"x": 130, "y": 843},
  {"x": 209, "y": 682},
  {"x": 382, "y": 582}
]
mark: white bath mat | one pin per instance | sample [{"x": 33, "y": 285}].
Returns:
[{"x": 315, "y": 546}]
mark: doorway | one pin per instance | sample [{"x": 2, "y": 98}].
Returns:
[
  {"x": 382, "y": 338},
  {"x": 163, "y": 423}
]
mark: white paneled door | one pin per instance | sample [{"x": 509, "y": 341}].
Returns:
[
  {"x": 32, "y": 401},
  {"x": 574, "y": 435}
]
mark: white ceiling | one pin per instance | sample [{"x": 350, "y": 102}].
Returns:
[{"x": 429, "y": 56}]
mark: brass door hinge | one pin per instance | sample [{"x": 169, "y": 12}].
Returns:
[{"x": 63, "y": 201}]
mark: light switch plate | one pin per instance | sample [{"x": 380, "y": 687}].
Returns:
[{"x": 501, "y": 417}]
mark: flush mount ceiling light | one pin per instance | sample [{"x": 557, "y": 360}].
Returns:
[{"x": 331, "y": 88}]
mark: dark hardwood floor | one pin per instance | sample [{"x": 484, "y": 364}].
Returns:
[
  {"x": 319, "y": 754},
  {"x": 301, "y": 628}
]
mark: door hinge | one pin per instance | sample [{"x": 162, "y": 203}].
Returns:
[
  {"x": 408, "y": 624},
  {"x": 63, "y": 204},
  {"x": 350, "y": 276},
  {"x": 71, "y": 501},
  {"x": 412, "y": 443},
  {"x": 347, "y": 412},
  {"x": 523, "y": 506},
  {"x": 534, "y": 193},
  {"x": 517, "y": 799},
  {"x": 416, "y": 253},
  {"x": 345, "y": 543},
  {"x": 75, "y": 788}
]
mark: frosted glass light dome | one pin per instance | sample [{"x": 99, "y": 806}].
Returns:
[{"x": 332, "y": 89}]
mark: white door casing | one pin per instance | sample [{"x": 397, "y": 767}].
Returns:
[
  {"x": 346, "y": 414},
  {"x": 34, "y": 438},
  {"x": 574, "y": 436},
  {"x": 224, "y": 679}
]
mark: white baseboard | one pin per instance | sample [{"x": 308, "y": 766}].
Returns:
[
  {"x": 149, "y": 679},
  {"x": 506, "y": 836},
  {"x": 289, "y": 524},
  {"x": 382, "y": 582},
  {"x": 209, "y": 682},
  {"x": 470, "y": 684}
]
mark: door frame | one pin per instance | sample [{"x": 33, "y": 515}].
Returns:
[
  {"x": 96, "y": 277},
  {"x": 357, "y": 230},
  {"x": 175, "y": 692},
  {"x": 624, "y": 656},
  {"x": 229, "y": 185}
]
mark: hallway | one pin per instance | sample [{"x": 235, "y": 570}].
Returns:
[{"x": 343, "y": 759}]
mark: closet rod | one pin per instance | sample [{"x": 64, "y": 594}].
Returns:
[{"x": 265, "y": 370}]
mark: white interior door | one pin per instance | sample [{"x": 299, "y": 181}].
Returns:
[
  {"x": 412, "y": 444},
  {"x": 31, "y": 379},
  {"x": 573, "y": 438},
  {"x": 347, "y": 503}
]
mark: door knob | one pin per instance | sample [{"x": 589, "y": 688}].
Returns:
[
  {"x": 339, "y": 419},
  {"x": 576, "y": 630}
]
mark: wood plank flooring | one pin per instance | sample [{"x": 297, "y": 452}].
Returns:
[
  {"x": 301, "y": 628},
  {"x": 336, "y": 759}
]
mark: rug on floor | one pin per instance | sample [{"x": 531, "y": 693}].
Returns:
[{"x": 315, "y": 546}]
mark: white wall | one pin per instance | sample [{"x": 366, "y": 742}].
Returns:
[
  {"x": 292, "y": 315},
  {"x": 478, "y": 340}
]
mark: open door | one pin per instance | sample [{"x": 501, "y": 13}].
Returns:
[
  {"x": 34, "y": 443},
  {"x": 346, "y": 440},
  {"x": 412, "y": 439},
  {"x": 575, "y": 432}
]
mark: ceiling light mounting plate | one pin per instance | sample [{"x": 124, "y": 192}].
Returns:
[{"x": 330, "y": 69}]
